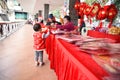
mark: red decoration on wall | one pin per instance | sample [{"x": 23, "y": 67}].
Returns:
[
  {"x": 102, "y": 14},
  {"x": 94, "y": 9},
  {"x": 77, "y": 5},
  {"x": 87, "y": 10},
  {"x": 81, "y": 9},
  {"x": 112, "y": 12},
  {"x": 106, "y": 7}
]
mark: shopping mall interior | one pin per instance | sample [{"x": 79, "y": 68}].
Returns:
[{"x": 59, "y": 39}]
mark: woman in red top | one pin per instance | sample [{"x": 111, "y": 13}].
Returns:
[
  {"x": 68, "y": 25},
  {"x": 39, "y": 43}
]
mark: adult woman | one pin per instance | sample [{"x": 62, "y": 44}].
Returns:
[{"x": 68, "y": 25}]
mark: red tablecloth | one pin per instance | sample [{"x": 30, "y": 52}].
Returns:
[
  {"x": 70, "y": 63},
  {"x": 97, "y": 34}
]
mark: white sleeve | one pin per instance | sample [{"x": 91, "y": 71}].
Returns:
[{"x": 46, "y": 35}]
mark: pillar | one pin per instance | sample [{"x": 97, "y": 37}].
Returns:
[
  {"x": 72, "y": 12},
  {"x": 46, "y": 11}
]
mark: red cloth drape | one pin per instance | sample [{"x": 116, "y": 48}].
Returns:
[
  {"x": 97, "y": 34},
  {"x": 70, "y": 63}
]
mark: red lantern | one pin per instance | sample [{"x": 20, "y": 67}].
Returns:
[
  {"x": 102, "y": 14},
  {"x": 87, "y": 10},
  {"x": 112, "y": 12},
  {"x": 94, "y": 10},
  {"x": 77, "y": 5},
  {"x": 112, "y": 6},
  {"x": 81, "y": 9}
]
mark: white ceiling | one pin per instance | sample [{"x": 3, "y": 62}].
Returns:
[{"x": 32, "y": 6}]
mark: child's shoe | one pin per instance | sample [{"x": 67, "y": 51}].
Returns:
[
  {"x": 42, "y": 63},
  {"x": 37, "y": 63}
]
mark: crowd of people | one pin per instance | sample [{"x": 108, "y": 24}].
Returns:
[{"x": 51, "y": 22}]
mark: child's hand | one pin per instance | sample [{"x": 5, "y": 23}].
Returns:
[{"x": 53, "y": 25}]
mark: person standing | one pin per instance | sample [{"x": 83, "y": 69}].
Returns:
[{"x": 39, "y": 43}]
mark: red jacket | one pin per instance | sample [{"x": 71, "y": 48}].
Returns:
[{"x": 39, "y": 42}]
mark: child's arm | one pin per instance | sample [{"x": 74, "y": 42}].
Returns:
[{"x": 45, "y": 35}]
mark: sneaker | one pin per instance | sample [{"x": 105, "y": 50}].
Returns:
[
  {"x": 42, "y": 63},
  {"x": 37, "y": 63}
]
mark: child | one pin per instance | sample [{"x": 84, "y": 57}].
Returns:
[{"x": 39, "y": 43}]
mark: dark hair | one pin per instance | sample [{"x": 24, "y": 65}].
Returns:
[
  {"x": 53, "y": 22},
  {"x": 36, "y": 27},
  {"x": 79, "y": 17},
  {"x": 68, "y": 18},
  {"x": 51, "y": 16}
]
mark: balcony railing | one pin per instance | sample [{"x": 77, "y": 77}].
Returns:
[{"x": 7, "y": 28}]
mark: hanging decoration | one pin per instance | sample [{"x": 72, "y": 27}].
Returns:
[
  {"x": 81, "y": 9},
  {"x": 112, "y": 12},
  {"x": 97, "y": 11},
  {"x": 77, "y": 5},
  {"x": 102, "y": 14},
  {"x": 87, "y": 10},
  {"x": 94, "y": 9}
]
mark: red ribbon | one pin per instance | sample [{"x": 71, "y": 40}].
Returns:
[
  {"x": 100, "y": 24},
  {"x": 110, "y": 23}
]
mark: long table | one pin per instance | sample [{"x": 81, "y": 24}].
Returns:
[
  {"x": 70, "y": 63},
  {"x": 97, "y": 34}
]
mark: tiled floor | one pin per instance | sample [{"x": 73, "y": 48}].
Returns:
[{"x": 17, "y": 58}]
